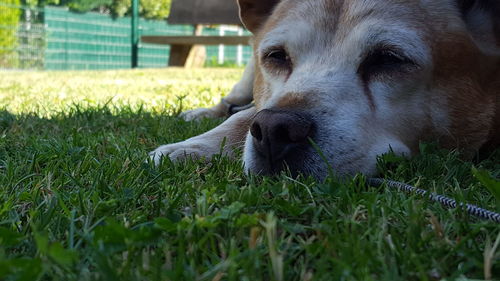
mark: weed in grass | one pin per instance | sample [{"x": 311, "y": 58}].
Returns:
[{"x": 78, "y": 202}]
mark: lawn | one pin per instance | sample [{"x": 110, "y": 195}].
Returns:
[{"x": 78, "y": 202}]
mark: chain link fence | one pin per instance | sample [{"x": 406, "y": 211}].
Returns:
[
  {"x": 22, "y": 37},
  {"x": 53, "y": 38}
]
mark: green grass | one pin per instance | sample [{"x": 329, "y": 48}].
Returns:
[{"x": 77, "y": 201}]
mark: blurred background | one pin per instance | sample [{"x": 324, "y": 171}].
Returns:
[{"x": 106, "y": 34}]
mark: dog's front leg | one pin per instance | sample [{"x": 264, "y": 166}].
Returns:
[
  {"x": 241, "y": 94},
  {"x": 231, "y": 133}
]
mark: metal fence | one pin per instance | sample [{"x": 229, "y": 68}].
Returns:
[
  {"x": 54, "y": 38},
  {"x": 22, "y": 37}
]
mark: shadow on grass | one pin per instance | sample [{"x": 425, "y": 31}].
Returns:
[{"x": 124, "y": 127}]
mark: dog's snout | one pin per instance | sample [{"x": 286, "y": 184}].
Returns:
[{"x": 277, "y": 133}]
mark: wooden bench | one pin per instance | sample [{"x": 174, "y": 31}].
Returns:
[{"x": 198, "y": 12}]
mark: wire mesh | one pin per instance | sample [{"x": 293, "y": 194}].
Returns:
[{"x": 22, "y": 37}]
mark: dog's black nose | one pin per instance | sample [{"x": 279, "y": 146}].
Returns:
[{"x": 278, "y": 133}]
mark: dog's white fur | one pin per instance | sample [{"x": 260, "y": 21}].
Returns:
[{"x": 440, "y": 97}]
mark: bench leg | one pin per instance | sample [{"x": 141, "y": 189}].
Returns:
[
  {"x": 179, "y": 55},
  {"x": 187, "y": 56},
  {"x": 197, "y": 57}
]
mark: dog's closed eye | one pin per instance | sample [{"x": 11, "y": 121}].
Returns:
[
  {"x": 277, "y": 59},
  {"x": 384, "y": 60}
]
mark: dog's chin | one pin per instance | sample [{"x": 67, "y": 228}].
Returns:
[
  {"x": 260, "y": 165},
  {"x": 307, "y": 162},
  {"x": 304, "y": 161},
  {"x": 300, "y": 163}
]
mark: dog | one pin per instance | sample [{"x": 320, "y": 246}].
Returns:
[{"x": 336, "y": 83}]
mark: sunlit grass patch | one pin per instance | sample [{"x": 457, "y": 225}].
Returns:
[{"x": 47, "y": 93}]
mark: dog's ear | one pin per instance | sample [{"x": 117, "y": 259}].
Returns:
[
  {"x": 483, "y": 21},
  {"x": 254, "y": 13}
]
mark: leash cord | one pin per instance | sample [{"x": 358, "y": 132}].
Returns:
[
  {"x": 443, "y": 200},
  {"x": 377, "y": 182}
]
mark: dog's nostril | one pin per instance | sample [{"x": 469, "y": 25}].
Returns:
[{"x": 256, "y": 131}]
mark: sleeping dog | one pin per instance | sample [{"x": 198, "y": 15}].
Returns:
[{"x": 337, "y": 82}]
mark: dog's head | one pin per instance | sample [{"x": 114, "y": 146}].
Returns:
[{"x": 359, "y": 78}]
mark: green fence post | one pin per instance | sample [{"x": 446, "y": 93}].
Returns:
[{"x": 135, "y": 33}]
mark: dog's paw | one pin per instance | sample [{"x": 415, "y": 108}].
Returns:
[
  {"x": 200, "y": 113},
  {"x": 179, "y": 151}
]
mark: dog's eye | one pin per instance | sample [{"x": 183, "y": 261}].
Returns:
[
  {"x": 278, "y": 55},
  {"x": 277, "y": 58},
  {"x": 384, "y": 58},
  {"x": 383, "y": 61}
]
